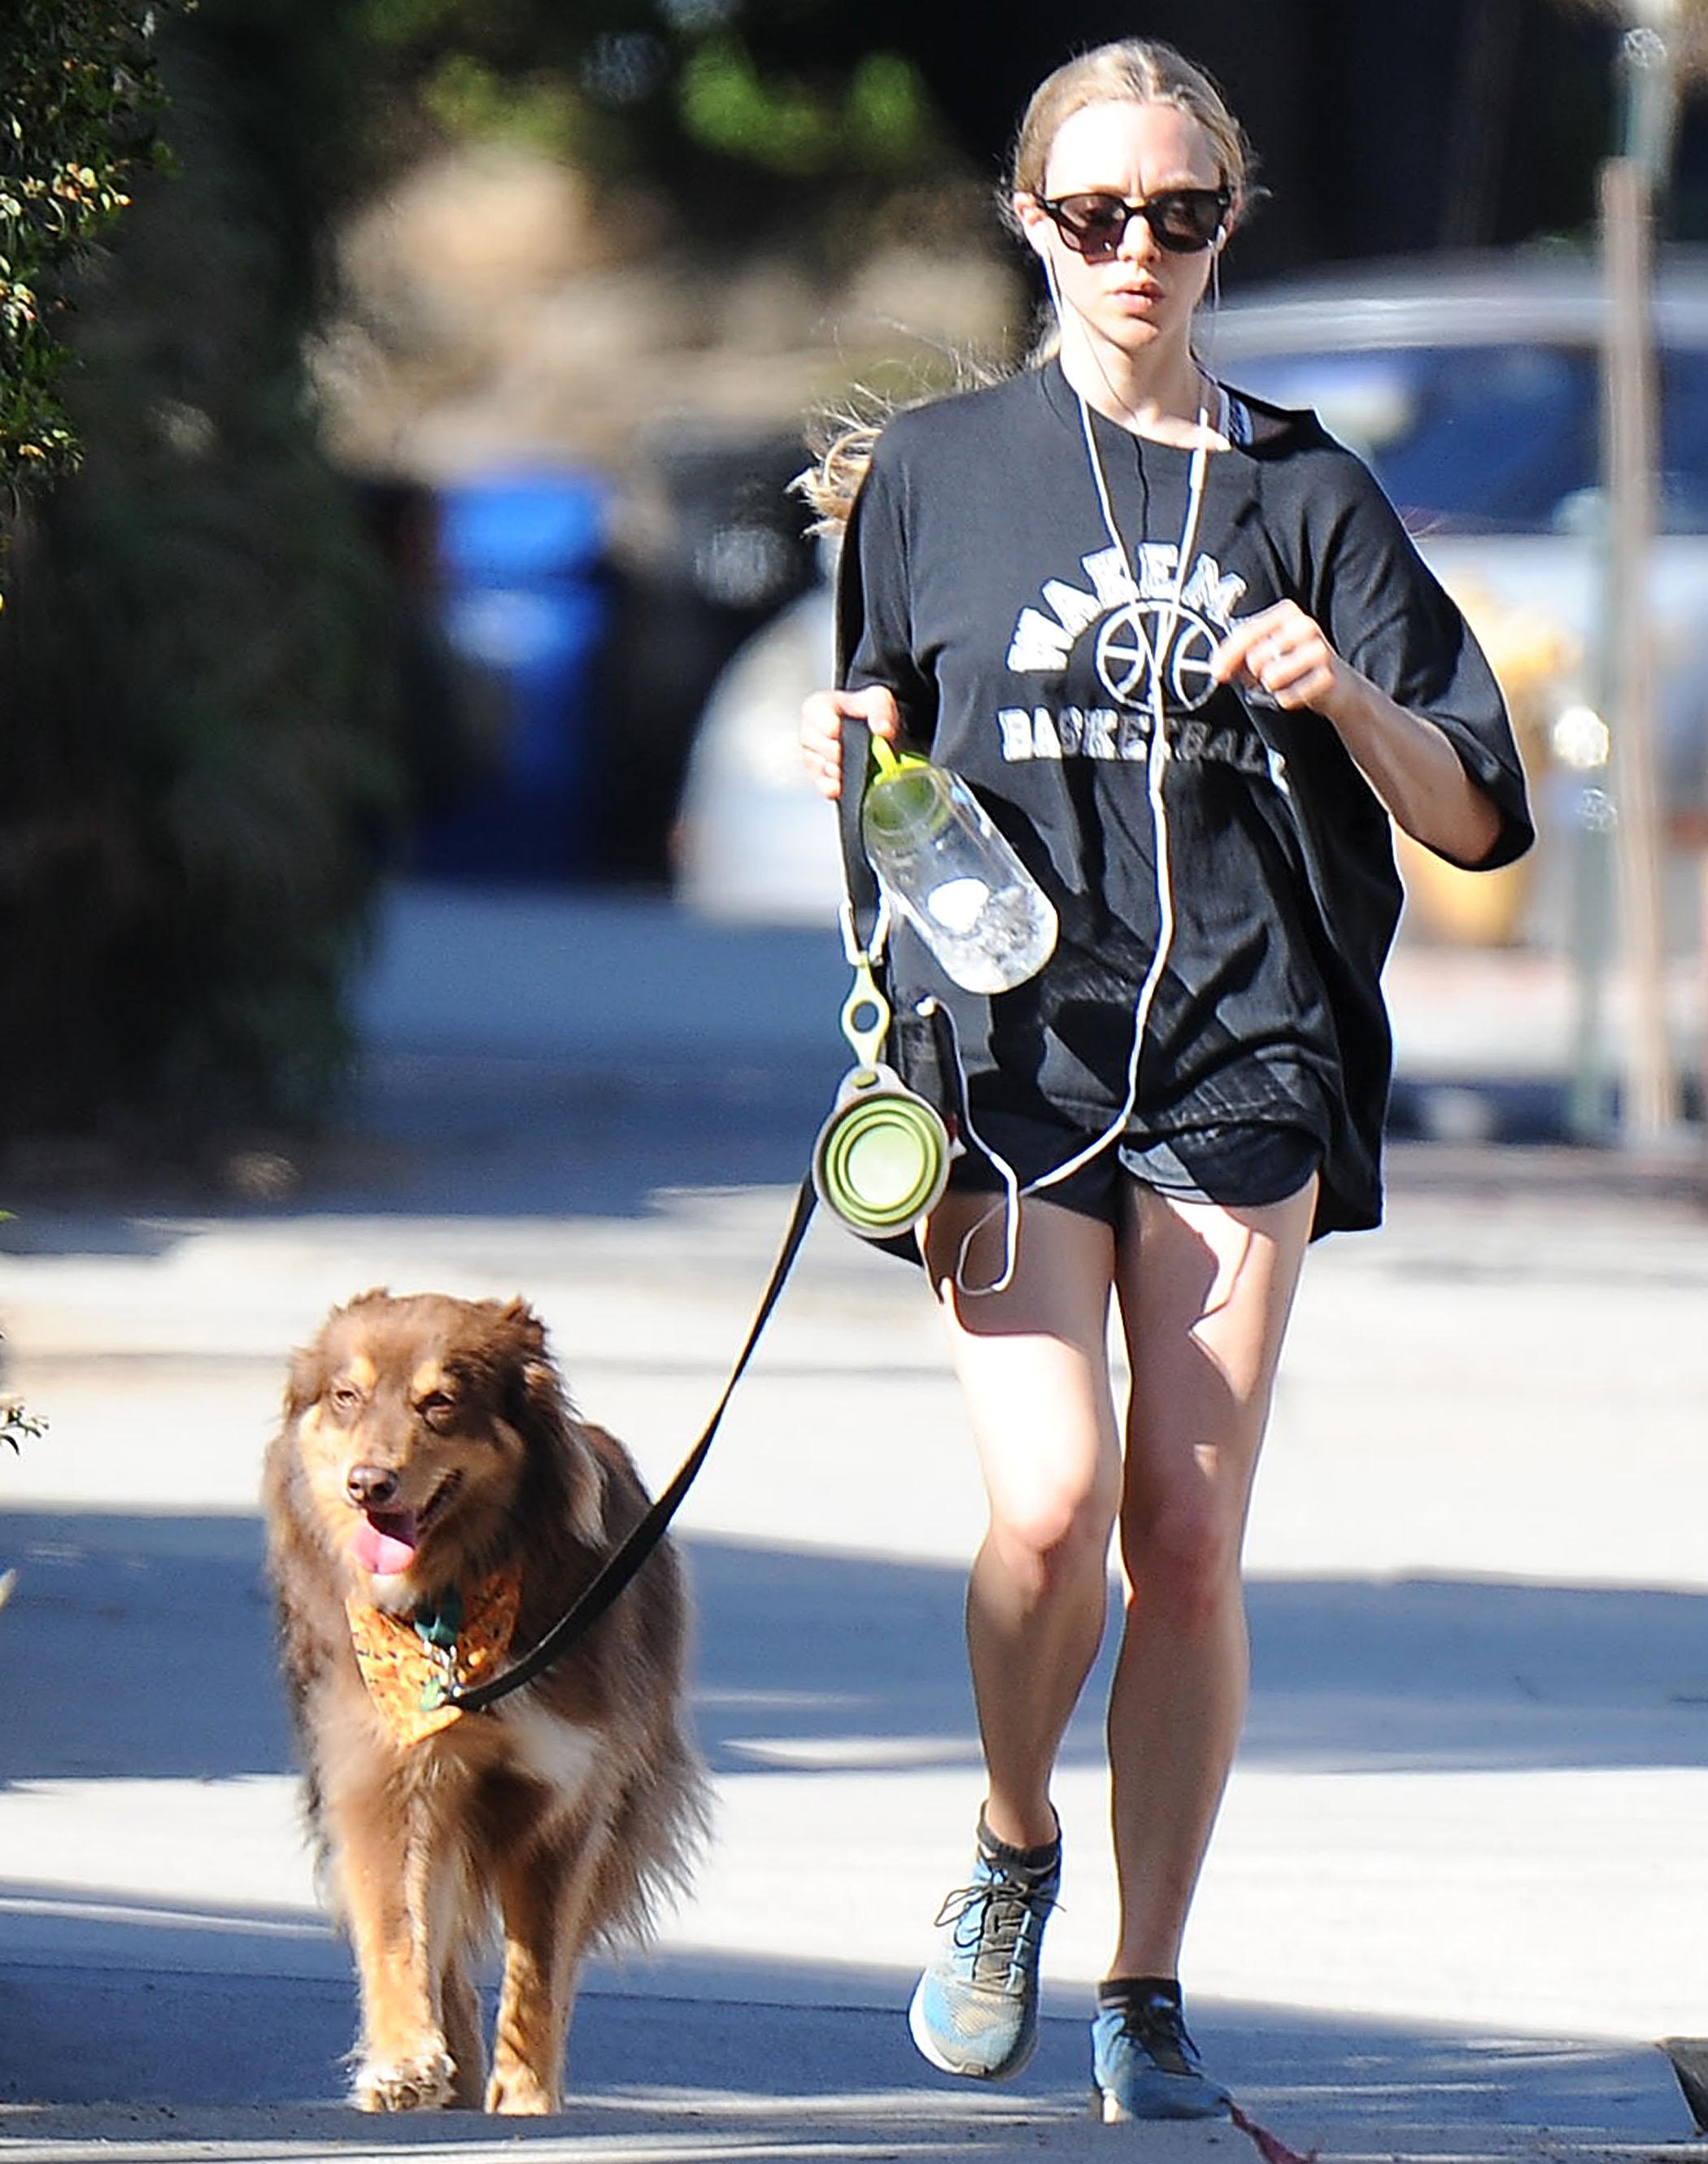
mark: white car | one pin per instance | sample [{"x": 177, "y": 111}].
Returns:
[{"x": 1472, "y": 389}]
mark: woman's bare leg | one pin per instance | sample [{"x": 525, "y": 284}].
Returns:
[
  {"x": 1205, "y": 1294},
  {"x": 1033, "y": 1362}
]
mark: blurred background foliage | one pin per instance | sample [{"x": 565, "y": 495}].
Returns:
[
  {"x": 81, "y": 97},
  {"x": 709, "y": 103},
  {"x": 198, "y": 769},
  {"x": 209, "y": 743},
  {"x": 1381, "y": 128}
]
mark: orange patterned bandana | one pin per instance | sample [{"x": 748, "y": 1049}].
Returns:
[{"x": 407, "y": 1662}]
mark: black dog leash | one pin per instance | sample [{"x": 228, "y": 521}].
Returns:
[{"x": 621, "y": 1566}]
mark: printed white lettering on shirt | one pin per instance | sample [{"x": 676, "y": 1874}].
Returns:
[
  {"x": 1216, "y": 592},
  {"x": 1151, "y": 631},
  {"x": 1042, "y": 643},
  {"x": 1156, "y": 625},
  {"x": 1100, "y": 733}
]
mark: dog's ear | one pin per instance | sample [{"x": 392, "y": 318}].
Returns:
[
  {"x": 524, "y": 1326},
  {"x": 534, "y": 1397},
  {"x": 305, "y": 1379},
  {"x": 538, "y": 1402},
  {"x": 311, "y": 1364},
  {"x": 537, "y": 1406},
  {"x": 587, "y": 1486}
]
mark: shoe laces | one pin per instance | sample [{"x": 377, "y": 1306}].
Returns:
[
  {"x": 990, "y": 1919},
  {"x": 1159, "y": 2027}
]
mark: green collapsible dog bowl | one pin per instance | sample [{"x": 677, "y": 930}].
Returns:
[{"x": 881, "y": 1159}]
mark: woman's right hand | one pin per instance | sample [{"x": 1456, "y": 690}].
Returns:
[{"x": 821, "y": 729}]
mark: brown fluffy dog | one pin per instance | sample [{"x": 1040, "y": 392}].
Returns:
[{"x": 432, "y": 1501}]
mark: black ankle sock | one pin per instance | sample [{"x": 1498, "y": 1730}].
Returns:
[
  {"x": 1033, "y": 1860},
  {"x": 1139, "y": 1992}
]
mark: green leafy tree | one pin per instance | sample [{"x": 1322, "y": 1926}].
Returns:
[
  {"x": 754, "y": 120},
  {"x": 79, "y": 99}
]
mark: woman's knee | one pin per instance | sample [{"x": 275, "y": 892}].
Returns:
[
  {"x": 1182, "y": 1563},
  {"x": 1052, "y": 1538}
]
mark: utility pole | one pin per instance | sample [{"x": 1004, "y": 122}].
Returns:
[{"x": 1630, "y": 186}]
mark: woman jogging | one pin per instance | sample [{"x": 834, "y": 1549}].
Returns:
[{"x": 1180, "y": 644}]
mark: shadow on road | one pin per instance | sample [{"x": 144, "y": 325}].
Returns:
[
  {"x": 738, "y": 2048},
  {"x": 140, "y": 1646},
  {"x": 214, "y": 2017}
]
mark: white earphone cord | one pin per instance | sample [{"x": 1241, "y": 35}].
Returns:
[{"x": 1157, "y": 763}]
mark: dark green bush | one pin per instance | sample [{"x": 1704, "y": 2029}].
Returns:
[{"x": 197, "y": 767}]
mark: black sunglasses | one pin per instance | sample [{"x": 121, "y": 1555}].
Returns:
[{"x": 1182, "y": 220}]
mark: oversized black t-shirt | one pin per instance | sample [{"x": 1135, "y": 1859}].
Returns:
[{"x": 980, "y": 582}]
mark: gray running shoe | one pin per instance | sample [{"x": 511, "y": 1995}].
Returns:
[
  {"x": 974, "y": 2011},
  {"x": 1145, "y": 2065}
]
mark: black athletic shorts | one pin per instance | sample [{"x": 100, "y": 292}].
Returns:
[{"x": 1240, "y": 1165}]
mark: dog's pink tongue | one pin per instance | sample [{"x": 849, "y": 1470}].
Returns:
[{"x": 384, "y": 1549}]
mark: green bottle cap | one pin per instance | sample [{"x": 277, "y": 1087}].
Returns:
[{"x": 906, "y": 798}]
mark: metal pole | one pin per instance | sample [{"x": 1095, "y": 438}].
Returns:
[
  {"x": 1648, "y": 99},
  {"x": 1644, "y": 123},
  {"x": 1593, "y": 909},
  {"x": 1650, "y": 1098}
]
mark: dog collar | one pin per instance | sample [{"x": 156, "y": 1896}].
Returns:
[{"x": 409, "y": 1662}]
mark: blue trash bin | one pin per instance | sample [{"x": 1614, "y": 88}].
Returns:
[{"x": 525, "y": 603}]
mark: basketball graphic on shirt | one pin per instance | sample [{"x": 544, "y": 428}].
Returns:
[
  {"x": 1148, "y": 641},
  {"x": 1142, "y": 627}
]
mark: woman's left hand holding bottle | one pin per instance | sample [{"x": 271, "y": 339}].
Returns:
[{"x": 822, "y": 714}]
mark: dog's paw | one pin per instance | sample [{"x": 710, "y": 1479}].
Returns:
[
  {"x": 425, "y": 2082},
  {"x": 517, "y": 2090}
]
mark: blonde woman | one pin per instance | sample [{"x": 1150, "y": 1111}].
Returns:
[{"x": 1179, "y": 641}]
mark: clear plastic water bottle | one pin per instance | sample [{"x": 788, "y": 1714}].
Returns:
[{"x": 953, "y": 876}]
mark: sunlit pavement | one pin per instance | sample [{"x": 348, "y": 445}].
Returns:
[{"x": 1456, "y": 1892}]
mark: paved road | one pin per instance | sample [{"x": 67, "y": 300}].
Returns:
[{"x": 1456, "y": 1895}]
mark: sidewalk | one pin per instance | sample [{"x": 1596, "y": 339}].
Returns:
[{"x": 1457, "y": 1891}]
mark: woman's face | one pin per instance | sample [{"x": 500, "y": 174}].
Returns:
[{"x": 1136, "y": 294}]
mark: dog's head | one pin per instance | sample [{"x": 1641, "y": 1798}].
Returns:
[{"x": 425, "y": 1429}]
